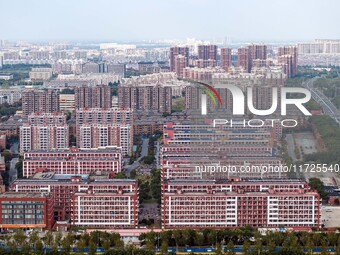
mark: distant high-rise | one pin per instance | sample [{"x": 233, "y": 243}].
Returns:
[
  {"x": 93, "y": 97},
  {"x": 225, "y": 58},
  {"x": 288, "y": 56},
  {"x": 244, "y": 59},
  {"x": 206, "y": 52},
  {"x": 287, "y": 63},
  {"x": 246, "y": 56},
  {"x": 174, "y": 52},
  {"x": 90, "y": 68},
  {"x": 147, "y": 98},
  {"x": 46, "y": 101},
  {"x": 258, "y": 51},
  {"x": 180, "y": 64}
]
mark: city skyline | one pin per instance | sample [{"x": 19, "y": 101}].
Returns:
[{"x": 107, "y": 20}]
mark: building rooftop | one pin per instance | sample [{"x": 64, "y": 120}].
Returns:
[
  {"x": 53, "y": 176},
  {"x": 22, "y": 195}
]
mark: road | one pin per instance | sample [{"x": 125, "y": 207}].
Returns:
[
  {"x": 136, "y": 164},
  {"x": 13, "y": 171},
  {"x": 14, "y": 148},
  {"x": 158, "y": 165},
  {"x": 145, "y": 147},
  {"x": 291, "y": 147},
  {"x": 328, "y": 107}
]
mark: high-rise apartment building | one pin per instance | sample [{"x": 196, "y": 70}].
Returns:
[
  {"x": 45, "y": 101},
  {"x": 180, "y": 64},
  {"x": 288, "y": 57},
  {"x": 98, "y": 127},
  {"x": 247, "y": 55},
  {"x": 261, "y": 80},
  {"x": 99, "y": 96},
  {"x": 106, "y": 135},
  {"x": 286, "y": 61},
  {"x": 207, "y": 52},
  {"x": 258, "y": 51},
  {"x": 44, "y": 132},
  {"x": 243, "y": 59},
  {"x": 145, "y": 97},
  {"x": 201, "y": 63},
  {"x": 226, "y": 61},
  {"x": 174, "y": 52}
]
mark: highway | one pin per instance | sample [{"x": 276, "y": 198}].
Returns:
[{"x": 328, "y": 107}]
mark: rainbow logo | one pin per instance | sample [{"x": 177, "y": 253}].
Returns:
[{"x": 208, "y": 89}]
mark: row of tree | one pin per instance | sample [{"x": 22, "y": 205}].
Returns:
[
  {"x": 250, "y": 240},
  {"x": 54, "y": 241}
]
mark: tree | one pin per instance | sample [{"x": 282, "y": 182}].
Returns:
[
  {"x": 81, "y": 246},
  {"x": 106, "y": 245},
  {"x": 58, "y": 238},
  {"x": 164, "y": 247},
  {"x": 7, "y": 155},
  {"x": 39, "y": 247},
  {"x": 324, "y": 247},
  {"x": 291, "y": 246},
  {"x": 119, "y": 244},
  {"x": 332, "y": 239},
  {"x": 336, "y": 201},
  {"x": 19, "y": 238},
  {"x": 49, "y": 239},
  {"x": 310, "y": 245},
  {"x": 92, "y": 248},
  {"x": 199, "y": 239},
  {"x": 133, "y": 174},
  {"x": 212, "y": 236},
  {"x": 18, "y": 167},
  {"x": 271, "y": 246},
  {"x": 316, "y": 184},
  {"x": 120, "y": 175},
  {"x": 34, "y": 238},
  {"x": 177, "y": 235},
  {"x": 337, "y": 248},
  {"x": 258, "y": 248},
  {"x": 150, "y": 241},
  {"x": 246, "y": 247},
  {"x": 231, "y": 248},
  {"x": 149, "y": 159},
  {"x": 26, "y": 248},
  {"x": 66, "y": 243}
]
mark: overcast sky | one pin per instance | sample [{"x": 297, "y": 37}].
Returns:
[{"x": 105, "y": 20}]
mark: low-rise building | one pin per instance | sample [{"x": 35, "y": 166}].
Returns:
[
  {"x": 73, "y": 161},
  {"x": 235, "y": 203},
  {"x": 26, "y": 210},
  {"x": 79, "y": 198}
]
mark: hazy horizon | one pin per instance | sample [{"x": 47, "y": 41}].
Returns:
[{"x": 106, "y": 21}]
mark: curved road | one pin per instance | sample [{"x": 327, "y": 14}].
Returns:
[{"x": 328, "y": 107}]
